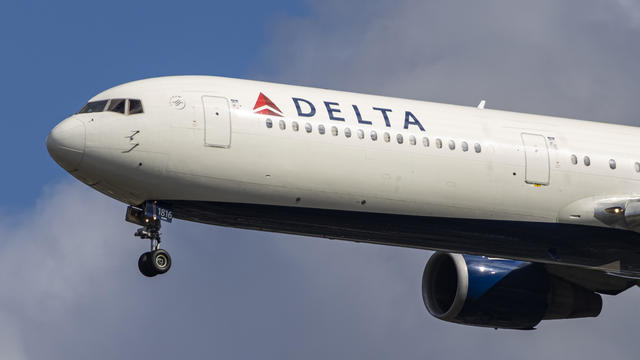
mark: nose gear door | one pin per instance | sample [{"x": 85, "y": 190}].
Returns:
[
  {"x": 217, "y": 121},
  {"x": 536, "y": 158}
]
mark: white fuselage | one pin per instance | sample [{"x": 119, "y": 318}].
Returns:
[{"x": 249, "y": 162}]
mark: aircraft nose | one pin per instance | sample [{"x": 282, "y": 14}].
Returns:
[{"x": 65, "y": 143}]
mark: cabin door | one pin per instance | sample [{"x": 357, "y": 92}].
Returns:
[
  {"x": 217, "y": 121},
  {"x": 536, "y": 157}
]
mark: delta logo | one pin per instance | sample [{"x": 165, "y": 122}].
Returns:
[
  {"x": 265, "y": 106},
  {"x": 336, "y": 112}
]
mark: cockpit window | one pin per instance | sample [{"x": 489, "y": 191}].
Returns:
[
  {"x": 93, "y": 106},
  {"x": 135, "y": 106},
  {"x": 117, "y": 105}
]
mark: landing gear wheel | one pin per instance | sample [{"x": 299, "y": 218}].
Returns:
[
  {"x": 159, "y": 261},
  {"x": 154, "y": 263},
  {"x": 144, "y": 267}
]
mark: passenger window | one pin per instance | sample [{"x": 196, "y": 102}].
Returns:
[
  {"x": 360, "y": 134},
  {"x": 574, "y": 159},
  {"x": 439, "y": 143},
  {"x": 347, "y": 132},
  {"x": 117, "y": 105},
  {"x": 282, "y": 125},
  {"x": 334, "y": 131},
  {"x": 612, "y": 164},
  {"x": 425, "y": 141},
  {"x": 321, "y": 129},
  {"x": 477, "y": 147},
  {"x": 295, "y": 126},
  {"x": 464, "y": 146},
  {"x": 637, "y": 166},
  {"x": 135, "y": 106},
  {"x": 93, "y": 106},
  {"x": 374, "y": 135},
  {"x": 307, "y": 127},
  {"x": 587, "y": 161},
  {"x": 269, "y": 123},
  {"x": 399, "y": 139},
  {"x": 452, "y": 145},
  {"x": 412, "y": 140},
  {"x": 387, "y": 137}
]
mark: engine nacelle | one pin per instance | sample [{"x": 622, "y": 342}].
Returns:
[{"x": 498, "y": 293}]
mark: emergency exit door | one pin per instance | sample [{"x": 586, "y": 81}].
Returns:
[
  {"x": 536, "y": 157},
  {"x": 217, "y": 121}
]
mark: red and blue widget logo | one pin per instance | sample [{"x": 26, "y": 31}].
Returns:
[{"x": 265, "y": 106}]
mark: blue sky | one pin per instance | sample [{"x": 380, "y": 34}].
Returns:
[
  {"x": 59, "y": 54},
  {"x": 68, "y": 274}
]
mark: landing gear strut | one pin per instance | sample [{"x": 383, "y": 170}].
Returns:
[{"x": 156, "y": 261}]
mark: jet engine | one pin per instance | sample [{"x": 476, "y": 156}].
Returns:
[{"x": 499, "y": 293}]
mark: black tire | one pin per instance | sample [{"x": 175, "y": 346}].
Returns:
[
  {"x": 159, "y": 261},
  {"x": 144, "y": 265}
]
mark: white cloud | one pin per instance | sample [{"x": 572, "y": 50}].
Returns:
[
  {"x": 11, "y": 345},
  {"x": 632, "y": 10},
  {"x": 572, "y": 58}
]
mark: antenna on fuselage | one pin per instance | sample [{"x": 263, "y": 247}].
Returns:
[{"x": 482, "y": 104}]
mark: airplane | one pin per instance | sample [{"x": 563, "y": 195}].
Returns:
[{"x": 531, "y": 217}]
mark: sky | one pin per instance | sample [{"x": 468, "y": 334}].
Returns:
[{"x": 68, "y": 262}]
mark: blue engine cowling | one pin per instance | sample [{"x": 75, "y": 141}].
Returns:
[{"x": 499, "y": 293}]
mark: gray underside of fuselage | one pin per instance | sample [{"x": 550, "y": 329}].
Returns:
[{"x": 586, "y": 246}]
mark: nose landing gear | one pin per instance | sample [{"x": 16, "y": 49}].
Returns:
[{"x": 156, "y": 261}]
